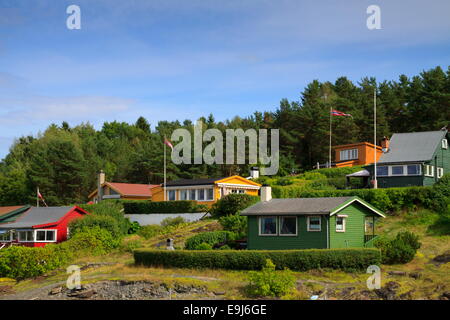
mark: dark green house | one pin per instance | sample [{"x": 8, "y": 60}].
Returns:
[
  {"x": 307, "y": 223},
  {"x": 413, "y": 159}
]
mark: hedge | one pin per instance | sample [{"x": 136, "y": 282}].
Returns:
[
  {"x": 210, "y": 238},
  {"x": 180, "y": 206},
  {"x": 301, "y": 260},
  {"x": 388, "y": 199}
]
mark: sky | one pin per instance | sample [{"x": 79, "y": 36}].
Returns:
[{"x": 182, "y": 59}]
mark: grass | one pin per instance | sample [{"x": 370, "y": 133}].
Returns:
[{"x": 434, "y": 280}]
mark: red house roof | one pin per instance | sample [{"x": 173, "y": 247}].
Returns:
[
  {"x": 131, "y": 189},
  {"x": 5, "y": 210}
]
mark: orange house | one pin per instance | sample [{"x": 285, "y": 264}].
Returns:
[
  {"x": 356, "y": 154},
  {"x": 205, "y": 191}
]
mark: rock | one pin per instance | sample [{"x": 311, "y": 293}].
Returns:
[
  {"x": 56, "y": 290},
  {"x": 442, "y": 258},
  {"x": 415, "y": 275},
  {"x": 219, "y": 293},
  {"x": 397, "y": 273},
  {"x": 389, "y": 291},
  {"x": 82, "y": 294},
  {"x": 406, "y": 295},
  {"x": 445, "y": 295}
]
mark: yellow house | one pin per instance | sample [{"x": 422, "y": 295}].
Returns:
[{"x": 205, "y": 191}]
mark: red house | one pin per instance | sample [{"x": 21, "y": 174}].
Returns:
[{"x": 37, "y": 227}]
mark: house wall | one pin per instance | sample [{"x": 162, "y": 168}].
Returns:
[
  {"x": 353, "y": 237},
  {"x": 304, "y": 240},
  {"x": 365, "y": 155}
]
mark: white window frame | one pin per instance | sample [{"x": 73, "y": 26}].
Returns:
[
  {"x": 19, "y": 238},
  {"x": 46, "y": 230},
  {"x": 444, "y": 144},
  {"x": 439, "y": 172},
  {"x": 288, "y": 234},
  {"x": 348, "y": 154},
  {"x": 8, "y": 233},
  {"x": 427, "y": 170},
  {"x": 190, "y": 194},
  {"x": 397, "y": 174},
  {"x": 344, "y": 220},
  {"x": 308, "y": 219},
  {"x": 383, "y": 175},
  {"x": 174, "y": 193},
  {"x": 270, "y": 234},
  {"x": 186, "y": 192},
  {"x": 206, "y": 194}
]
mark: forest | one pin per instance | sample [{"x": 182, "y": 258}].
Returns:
[{"x": 63, "y": 161}]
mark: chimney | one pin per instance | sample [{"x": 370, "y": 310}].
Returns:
[
  {"x": 266, "y": 193},
  {"x": 385, "y": 144},
  {"x": 101, "y": 180},
  {"x": 254, "y": 173}
]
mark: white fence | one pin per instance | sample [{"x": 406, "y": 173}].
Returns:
[{"x": 157, "y": 218}]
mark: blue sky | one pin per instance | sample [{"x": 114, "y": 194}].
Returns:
[{"x": 171, "y": 59}]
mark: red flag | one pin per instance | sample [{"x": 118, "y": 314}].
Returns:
[
  {"x": 40, "y": 195},
  {"x": 340, "y": 113},
  {"x": 168, "y": 143}
]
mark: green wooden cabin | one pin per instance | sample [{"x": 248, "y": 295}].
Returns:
[
  {"x": 311, "y": 223},
  {"x": 413, "y": 159}
]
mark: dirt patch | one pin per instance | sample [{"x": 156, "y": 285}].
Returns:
[{"x": 6, "y": 290}]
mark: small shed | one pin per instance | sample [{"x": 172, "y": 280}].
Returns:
[{"x": 308, "y": 223}]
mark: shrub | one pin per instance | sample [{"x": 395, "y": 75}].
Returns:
[
  {"x": 441, "y": 190},
  {"x": 313, "y": 175},
  {"x": 211, "y": 238},
  {"x": 232, "y": 204},
  {"x": 284, "y": 181},
  {"x": 269, "y": 282},
  {"x": 134, "y": 227},
  {"x": 234, "y": 223},
  {"x": 110, "y": 208},
  {"x": 401, "y": 249},
  {"x": 105, "y": 222},
  {"x": 144, "y": 207},
  {"x": 172, "y": 221},
  {"x": 149, "y": 231},
  {"x": 131, "y": 244},
  {"x": 24, "y": 262},
  {"x": 203, "y": 246},
  {"x": 302, "y": 260}
]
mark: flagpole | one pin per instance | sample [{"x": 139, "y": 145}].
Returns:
[
  {"x": 165, "y": 170},
  {"x": 375, "y": 182},
  {"x": 37, "y": 197},
  {"x": 329, "y": 153}
]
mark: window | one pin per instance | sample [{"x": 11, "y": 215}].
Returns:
[
  {"x": 429, "y": 170},
  {"x": 239, "y": 191},
  {"x": 440, "y": 172},
  {"x": 314, "y": 224},
  {"x": 192, "y": 194},
  {"x": 183, "y": 195},
  {"x": 201, "y": 194},
  {"x": 350, "y": 154},
  {"x": 209, "y": 194},
  {"x": 45, "y": 235},
  {"x": 413, "y": 169},
  {"x": 171, "y": 195},
  {"x": 382, "y": 171},
  {"x": 397, "y": 170},
  {"x": 444, "y": 144},
  {"x": 26, "y": 236},
  {"x": 288, "y": 226},
  {"x": 5, "y": 236},
  {"x": 268, "y": 226},
  {"x": 340, "y": 224}
]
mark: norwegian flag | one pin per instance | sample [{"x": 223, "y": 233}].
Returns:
[
  {"x": 168, "y": 143},
  {"x": 40, "y": 195},
  {"x": 340, "y": 113}
]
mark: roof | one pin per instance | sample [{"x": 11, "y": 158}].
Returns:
[
  {"x": 129, "y": 189},
  {"x": 412, "y": 147},
  {"x": 368, "y": 144},
  {"x": 295, "y": 206},
  {"x": 6, "y": 210},
  {"x": 361, "y": 173},
  {"x": 192, "y": 182},
  {"x": 305, "y": 206},
  {"x": 38, "y": 216}
]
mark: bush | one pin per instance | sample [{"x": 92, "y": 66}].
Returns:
[
  {"x": 129, "y": 245},
  {"x": 234, "y": 223},
  {"x": 134, "y": 227},
  {"x": 203, "y": 246},
  {"x": 172, "y": 221},
  {"x": 441, "y": 190},
  {"x": 149, "y": 231},
  {"x": 401, "y": 249},
  {"x": 144, "y": 207},
  {"x": 269, "y": 282},
  {"x": 105, "y": 222},
  {"x": 232, "y": 204},
  {"x": 211, "y": 238},
  {"x": 302, "y": 260},
  {"x": 110, "y": 208},
  {"x": 20, "y": 262}
]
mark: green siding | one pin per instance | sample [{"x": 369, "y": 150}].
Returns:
[
  {"x": 353, "y": 237},
  {"x": 304, "y": 240}
]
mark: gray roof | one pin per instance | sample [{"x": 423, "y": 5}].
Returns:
[
  {"x": 295, "y": 206},
  {"x": 37, "y": 216},
  {"x": 412, "y": 147}
]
